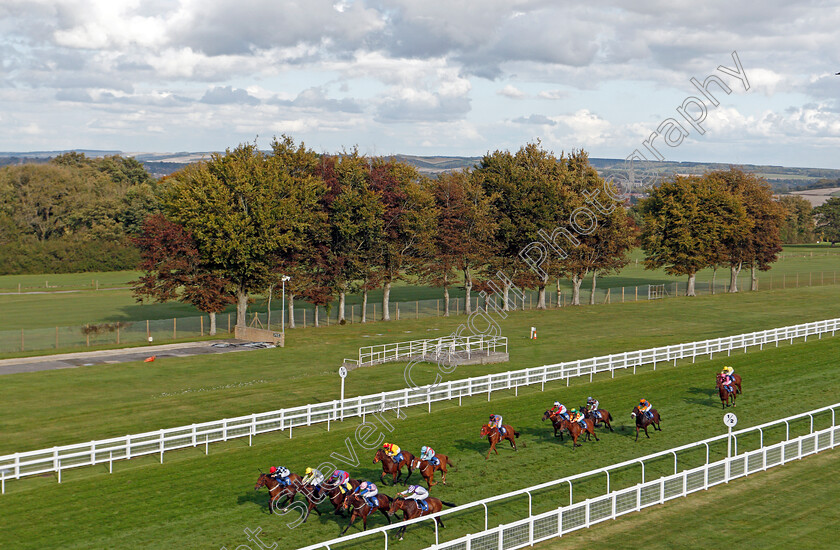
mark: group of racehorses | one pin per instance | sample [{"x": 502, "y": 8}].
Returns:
[{"x": 343, "y": 499}]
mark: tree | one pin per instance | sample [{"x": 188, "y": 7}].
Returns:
[
  {"x": 354, "y": 213},
  {"x": 464, "y": 236},
  {"x": 686, "y": 219},
  {"x": 246, "y": 210},
  {"x": 798, "y": 226},
  {"x": 604, "y": 248},
  {"x": 828, "y": 220},
  {"x": 408, "y": 223},
  {"x": 760, "y": 244},
  {"x": 171, "y": 263},
  {"x": 527, "y": 196}
]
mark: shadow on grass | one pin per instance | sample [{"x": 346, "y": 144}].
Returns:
[{"x": 705, "y": 397}]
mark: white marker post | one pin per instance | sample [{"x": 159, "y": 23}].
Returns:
[
  {"x": 342, "y": 372},
  {"x": 730, "y": 420}
]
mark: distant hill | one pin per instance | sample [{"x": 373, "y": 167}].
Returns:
[{"x": 782, "y": 179}]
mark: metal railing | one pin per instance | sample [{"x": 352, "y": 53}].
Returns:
[
  {"x": 614, "y": 503},
  {"x": 432, "y": 349},
  {"x": 56, "y": 459}
]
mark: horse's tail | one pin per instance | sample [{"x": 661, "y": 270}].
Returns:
[
  {"x": 449, "y": 462},
  {"x": 609, "y": 417},
  {"x": 451, "y": 505},
  {"x": 515, "y": 434}
]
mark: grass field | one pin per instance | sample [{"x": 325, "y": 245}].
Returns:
[
  {"x": 29, "y": 311},
  {"x": 774, "y": 509},
  {"x": 102, "y": 401},
  {"x": 193, "y": 501}
]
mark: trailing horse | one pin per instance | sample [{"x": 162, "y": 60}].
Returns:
[
  {"x": 277, "y": 490},
  {"x": 602, "y": 416},
  {"x": 391, "y": 467},
  {"x": 427, "y": 469},
  {"x": 361, "y": 508},
  {"x": 411, "y": 510},
  {"x": 727, "y": 393},
  {"x": 643, "y": 421},
  {"x": 494, "y": 436}
]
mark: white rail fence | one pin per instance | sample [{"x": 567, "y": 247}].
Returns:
[
  {"x": 106, "y": 451},
  {"x": 431, "y": 349},
  {"x": 613, "y": 503}
]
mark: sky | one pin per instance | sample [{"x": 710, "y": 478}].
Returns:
[{"x": 426, "y": 77}]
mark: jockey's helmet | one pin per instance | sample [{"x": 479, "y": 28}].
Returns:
[
  {"x": 424, "y": 449},
  {"x": 574, "y": 411},
  {"x": 308, "y": 471},
  {"x": 557, "y": 404},
  {"x": 642, "y": 401},
  {"x": 337, "y": 473},
  {"x": 272, "y": 470},
  {"x": 492, "y": 416},
  {"x": 364, "y": 485},
  {"x": 589, "y": 398}
]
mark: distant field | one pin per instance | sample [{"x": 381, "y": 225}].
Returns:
[
  {"x": 29, "y": 311},
  {"x": 772, "y": 509},
  {"x": 110, "y": 400}
]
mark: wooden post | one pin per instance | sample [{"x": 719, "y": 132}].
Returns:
[
  {"x": 374, "y": 312},
  {"x": 118, "y": 333},
  {"x": 636, "y": 299},
  {"x": 202, "y": 325},
  {"x": 622, "y": 295},
  {"x": 304, "y": 317},
  {"x": 87, "y": 338},
  {"x": 607, "y": 299},
  {"x": 416, "y": 309},
  {"x": 148, "y": 334},
  {"x": 352, "y": 314},
  {"x": 397, "y": 310},
  {"x": 18, "y": 288},
  {"x": 174, "y": 328}
]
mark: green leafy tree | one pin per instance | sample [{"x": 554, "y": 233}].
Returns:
[
  {"x": 686, "y": 219},
  {"x": 798, "y": 226},
  {"x": 828, "y": 220},
  {"x": 246, "y": 210}
]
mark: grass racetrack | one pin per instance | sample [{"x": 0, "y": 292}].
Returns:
[
  {"x": 193, "y": 501},
  {"x": 791, "y": 505}
]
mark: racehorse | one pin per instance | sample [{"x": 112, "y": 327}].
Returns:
[
  {"x": 328, "y": 492},
  {"x": 276, "y": 490},
  {"x": 643, "y": 421},
  {"x": 557, "y": 422},
  {"x": 575, "y": 430},
  {"x": 726, "y": 392},
  {"x": 427, "y": 469},
  {"x": 736, "y": 381},
  {"x": 411, "y": 510},
  {"x": 361, "y": 508},
  {"x": 390, "y": 467},
  {"x": 494, "y": 436},
  {"x": 603, "y": 416}
]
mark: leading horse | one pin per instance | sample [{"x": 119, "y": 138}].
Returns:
[
  {"x": 727, "y": 392},
  {"x": 277, "y": 490},
  {"x": 643, "y": 421}
]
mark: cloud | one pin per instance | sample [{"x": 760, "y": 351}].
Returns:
[
  {"x": 511, "y": 92},
  {"x": 553, "y": 94},
  {"x": 222, "y": 95},
  {"x": 535, "y": 119},
  {"x": 315, "y": 99}
]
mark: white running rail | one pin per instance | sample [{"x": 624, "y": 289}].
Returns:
[
  {"x": 614, "y": 503},
  {"x": 105, "y": 451},
  {"x": 430, "y": 349}
]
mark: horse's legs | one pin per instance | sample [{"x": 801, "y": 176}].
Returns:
[
  {"x": 646, "y": 432},
  {"x": 352, "y": 519}
]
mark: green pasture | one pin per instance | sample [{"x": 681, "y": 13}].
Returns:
[
  {"x": 197, "y": 501},
  {"x": 101, "y": 401},
  {"x": 47, "y": 310},
  {"x": 773, "y": 509}
]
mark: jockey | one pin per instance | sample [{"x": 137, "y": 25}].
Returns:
[
  {"x": 728, "y": 371},
  {"x": 593, "y": 404},
  {"x": 418, "y": 494},
  {"x": 393, "y": 451},
  {"x": 280, "y": 475},
  {"x": 368, "y": 491},
  {"x": 645, "y": 407},
  {"x": 559, "y": 410},
  {"x": 575, "y": 415},
  {"x": 496, "y": 421},
  {"x": 341, "y": 480},
  {"x": 313, "y": 477},
  {"x": 427, "y": 453}
]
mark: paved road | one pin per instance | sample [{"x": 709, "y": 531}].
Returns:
[{"x": 73, "y": 360}]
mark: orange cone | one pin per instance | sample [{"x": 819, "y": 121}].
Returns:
[{"x": 150, "y": 359}]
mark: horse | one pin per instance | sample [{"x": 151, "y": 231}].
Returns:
[
  {"x": 604, "y": 417},
  {"x": 328, "y": 492},
  {"x": 736, "y": 381},
  {"x": 361, "y": 508},
  {"x": 726, "y": 392},
  {"x": 494, "y": 436},
  {"x": 575, "y": 430},
  {"x": 276, "y": 490},
  {"x": 642, "y": 421},
  {"x": 427, "y": 469},
  {"x": 557, "y": 422},
  {"x": 390, "y": 467},
  {"x": 411, "y": 510}
]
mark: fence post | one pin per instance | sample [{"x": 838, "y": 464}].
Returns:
[
  {"x": 202, "y": 325},
  {"x": 174, "y": 328},
  {"x": 636, "y": 299},
  {"x": 56, "y": 337}
]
